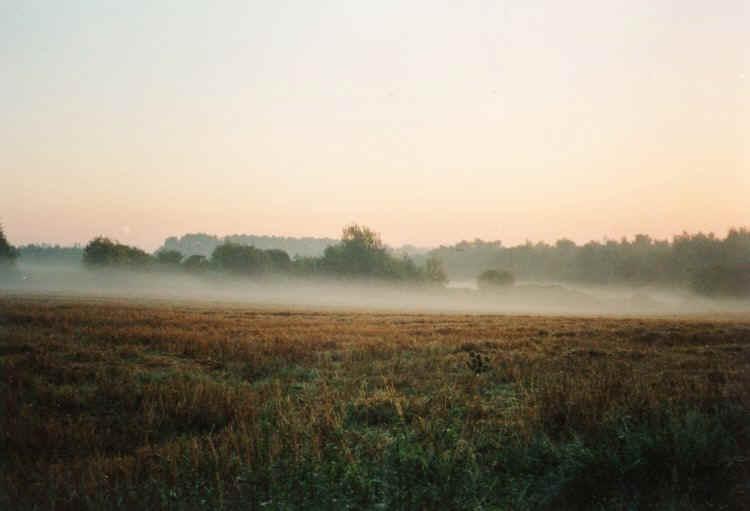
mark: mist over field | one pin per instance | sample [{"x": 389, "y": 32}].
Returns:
[
  {"x": 330, "y": 293},
  {"x": 693, "y": 274}
]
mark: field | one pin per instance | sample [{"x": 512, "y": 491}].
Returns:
[{"x": 123, "y": 405}]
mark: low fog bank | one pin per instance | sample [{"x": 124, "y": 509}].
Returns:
[{"x": 460, "y": 297}]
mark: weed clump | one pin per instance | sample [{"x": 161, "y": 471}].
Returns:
[{"x": 478, "y": 363}]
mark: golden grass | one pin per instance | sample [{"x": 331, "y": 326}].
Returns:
[{"x": 109, "y": 403}]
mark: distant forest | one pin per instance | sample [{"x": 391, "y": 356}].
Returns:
[
  {"x": 707, "y": 263},
  {"x": 50, "y": 254},
  {"x": 204, "y": 244},
  {"x": 641, "y": 259}
]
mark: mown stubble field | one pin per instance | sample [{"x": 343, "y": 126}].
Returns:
[{"x": 125, "y": 405}]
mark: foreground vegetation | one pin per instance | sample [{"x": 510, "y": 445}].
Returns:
[{"x": 111, "y": 405}]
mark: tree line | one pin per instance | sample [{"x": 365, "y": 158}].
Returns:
[
  {"x": 359, "y": 254},
  {"x": 204, "y": 244},
  {"x": 50, "y": 254},
  {"x": 708, "y": 264}
]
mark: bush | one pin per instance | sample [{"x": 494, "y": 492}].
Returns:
[{"x": 494, "y": 279}]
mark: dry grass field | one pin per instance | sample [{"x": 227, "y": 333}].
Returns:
[{"x": 126, "y": 405}]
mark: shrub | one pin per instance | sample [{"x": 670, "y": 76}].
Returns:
[{"x": 494, "y": 279}]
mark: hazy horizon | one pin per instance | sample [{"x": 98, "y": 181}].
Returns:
[
  {"x": 601, "y": 239},
  {"x": 428, "y": 121}
]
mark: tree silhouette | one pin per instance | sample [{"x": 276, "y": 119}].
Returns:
[
  {"x": 8, "y": 252},
  {"x": 103, "y": 252}
]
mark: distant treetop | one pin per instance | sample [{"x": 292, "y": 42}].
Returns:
[{"x": 204, "y": 244}]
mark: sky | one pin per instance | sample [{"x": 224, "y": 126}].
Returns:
[{"x": 429, "y": 121}]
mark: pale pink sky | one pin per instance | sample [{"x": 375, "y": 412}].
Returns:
[{"x": 430, "y": 121}]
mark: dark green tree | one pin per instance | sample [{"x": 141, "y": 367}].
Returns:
[
  {"x": 8, "y": 252},
  {"x": 279, "y": 261},
  {"x": 240, "y": 259},
  {"x": 360, "y": 253},
  {"x": 102, "y": 252}
]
